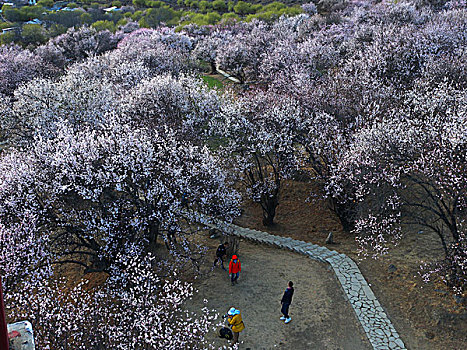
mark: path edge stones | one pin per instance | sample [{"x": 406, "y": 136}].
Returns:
[{"x": 376, "y": 324}]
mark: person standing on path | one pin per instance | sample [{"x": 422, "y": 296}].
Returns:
[
  {"x": 235, "y": 266},
  {"x": 286, "y": 301},
  {"x": 221, "y": 252},
  {"x": 236, "y": 322}
]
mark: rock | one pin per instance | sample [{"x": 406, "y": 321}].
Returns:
[
  {"x": 330, "y": 239},
  {"x": 392, "y": 268}
]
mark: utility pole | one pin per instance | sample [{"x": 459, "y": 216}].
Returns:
[{"x": 3, "y": 328}]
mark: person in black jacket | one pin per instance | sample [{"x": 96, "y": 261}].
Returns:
[
  {"x": 221, "y": 252},
  {"x": 286, "y": 301}
]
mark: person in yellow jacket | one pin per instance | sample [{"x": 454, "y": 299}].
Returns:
[{"x": 235, "y": 321}]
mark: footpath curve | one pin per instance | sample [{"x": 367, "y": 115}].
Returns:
[{"x": 376, "y": 324}]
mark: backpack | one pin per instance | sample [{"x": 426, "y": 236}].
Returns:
[
  {"x": 220, "y": 250},
  {"x": 225, "y": 332}
]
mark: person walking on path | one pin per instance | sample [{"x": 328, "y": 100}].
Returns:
[
  {"x": 235, "y": 266},
  {"x": 236, "y": 322},
  {"x": 286, "y": 301},
  {"x": 221, "y": 252}
]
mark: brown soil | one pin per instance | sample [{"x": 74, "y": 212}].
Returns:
[
  {"x": 321, "y": 317},
  {"x": 425, "y": 315}
]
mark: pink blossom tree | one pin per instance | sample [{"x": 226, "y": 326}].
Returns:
[
  {"x": 77, "y": 44},
  {"x": 17, "y": 66},
  {"x": 162, "y": 51}
]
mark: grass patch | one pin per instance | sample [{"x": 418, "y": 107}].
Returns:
[{"x": 213, "y": 82}]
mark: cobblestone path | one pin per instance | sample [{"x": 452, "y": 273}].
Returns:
[{"x": 376, "y": 324}]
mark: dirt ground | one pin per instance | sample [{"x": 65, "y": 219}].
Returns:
[
  {"x": 426, "y": 316},
  {"x": 321, "y": 317}
]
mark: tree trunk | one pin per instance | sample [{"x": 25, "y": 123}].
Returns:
[
  {"x": 152, "y": 236},
  {"x": 234, "y": 245},
  {"x": 98, "y": 265},
  {"x": 269, "y": 210},
  {"x": 213, "y": 67},
  {"x": 344, "y": 212}
]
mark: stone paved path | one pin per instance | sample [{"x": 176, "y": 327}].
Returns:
[{"x": 376, "y": 324}]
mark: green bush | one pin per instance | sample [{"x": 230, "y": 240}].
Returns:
[
  {"x": 13, "y": 14},
  {"x": 57, "y": 29},
  {"x": 4, "y": 25},
  {"x": 291, "y": 11},
  {"x": 204, "y": 6},
  {"x": 219, "y": 5},
  {"x": 230, "y": 5},
  {"x": 86, "y": 18},
  {"x": 45, "y": 3},
  {"x": 22, "y": 14},
  {"x": 154, "y": 4},
  {"x": 274, "y": 6},
  {"x": 274, "y": 13},
  {"x": 65, "y": 18},
  {"x": 230, "y": 15},
  {"x": 104, "y": 25},
  {"x": 213, "y": 17},
  {"x": 72, "y": 5},
  {"x": 122, "y": 22},
  {"x": 256, "y": 8},
  {"x": 117, "y": 3},
  {"x": 199, "y": 19},
  {"x": 33, "y": 34},
  {"x": 139, "y": 3},
  {"x": 154, "y": 16},
  {"x": 8, "y": 37},
  {"x": 268, "y": 16},
  {"x": 243, "y": 8},
  {"x": 137, "y": 15}
]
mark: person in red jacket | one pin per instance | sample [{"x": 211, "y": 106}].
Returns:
[{"x": 235, "y": 266}]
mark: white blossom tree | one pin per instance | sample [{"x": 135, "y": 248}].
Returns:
[
  {"x": 99, "y": 190},
  {"x": 256, "y": 134},
  {"x": 411, "y": 169},
  {"x": 185, "y": 104}
]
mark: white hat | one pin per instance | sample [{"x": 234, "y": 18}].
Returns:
[{"x": 231, "y": 311}]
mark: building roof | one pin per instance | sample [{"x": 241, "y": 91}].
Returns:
[
  {"x": 34, "y": 21},
  {"x": 113, "y": 8}
]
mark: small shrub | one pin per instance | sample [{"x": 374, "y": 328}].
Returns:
[
  {"x": 46, "y": 3},
  {"x": 204, "y": 6},
  {"x": 104, "y": 25},
  {"x": 213, "y": 17},
  {"x": 219, "y": 5}
]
